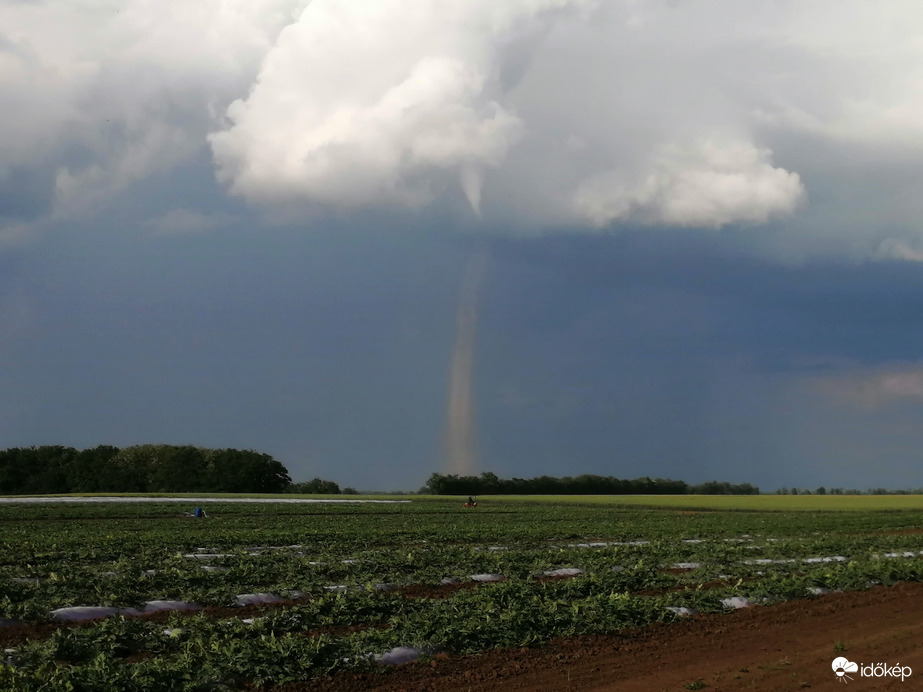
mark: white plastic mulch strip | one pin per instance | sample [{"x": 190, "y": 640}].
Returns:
[
  {"x": 563, "y": 572},
  {"x": 827, "y": 558},
  {"x": 735, "y": 602},
  {"x": 686, "y": 565},
  {"x": 767, "y": 561},
  {"x": 246, "y": 599},
  {"x": 78, "y": 613},
  {"x": 487, "y": 577},
  {"x": 157, "y": 606},
  {"x": 42, "y": 500},
  {"x": 681, "y": 610},
  {"x": 906, "y": 553},
  {"x": 807, "y": 560},
  {"x": 832, "y": 558},
  {"x": 206, "y": 556},
  {"x": 598, "y": 544},
  {"x": 399, "y": 655}
]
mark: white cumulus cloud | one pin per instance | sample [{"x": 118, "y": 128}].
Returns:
[
  {"x": 362, "y": 102},
  {"x": 709, "y": 184},
  {"x": 106, "y": 93},
  {"x": 578, "y": 114}
]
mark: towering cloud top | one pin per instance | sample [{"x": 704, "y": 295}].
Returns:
[
  {"x": 543, "y": 113},
  {"x": 375, "y": 102},
  {"x": 371, "y": 101}
]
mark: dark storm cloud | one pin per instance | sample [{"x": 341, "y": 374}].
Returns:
[
  {"x": 673, "y": 355},
  {"x": 327, "y": 349},
  {"x": 869, "y": 312},
  {"x": 634, "y": 354}
]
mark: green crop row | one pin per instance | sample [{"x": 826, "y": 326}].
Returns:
[{"x": 635, "y": 563}]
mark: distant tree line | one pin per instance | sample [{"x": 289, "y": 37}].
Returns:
[
  {"x": 848, "y": 491},
  {"x": 490, "y": 484},
  {"x": 318, "y": 486},
  {"x": 142, "y": 469}
]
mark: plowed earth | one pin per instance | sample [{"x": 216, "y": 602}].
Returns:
[{"x": 789, "y": 646}]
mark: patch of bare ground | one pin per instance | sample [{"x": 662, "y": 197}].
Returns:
[{"x": 789, "y": 646}]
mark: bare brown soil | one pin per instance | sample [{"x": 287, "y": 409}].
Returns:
[{"x": 789, "y": 646}]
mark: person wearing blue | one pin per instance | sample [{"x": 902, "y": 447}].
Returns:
[{"x": 199, "y": 513}]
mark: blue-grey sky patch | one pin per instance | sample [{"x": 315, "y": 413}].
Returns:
[{"x": 26, "y": 193}]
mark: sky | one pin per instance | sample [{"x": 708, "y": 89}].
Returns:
[{"x": 380, "y": 239}]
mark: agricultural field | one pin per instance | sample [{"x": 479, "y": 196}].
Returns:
[{"x": 139, "y": 596}]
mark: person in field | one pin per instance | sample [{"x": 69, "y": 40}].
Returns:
[{"x": 199, "y": 513}]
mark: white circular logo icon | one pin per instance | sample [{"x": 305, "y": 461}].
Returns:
[{"x": 842, "y": 666}]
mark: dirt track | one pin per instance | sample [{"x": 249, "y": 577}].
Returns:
[{"x": 789, "y": 646}]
